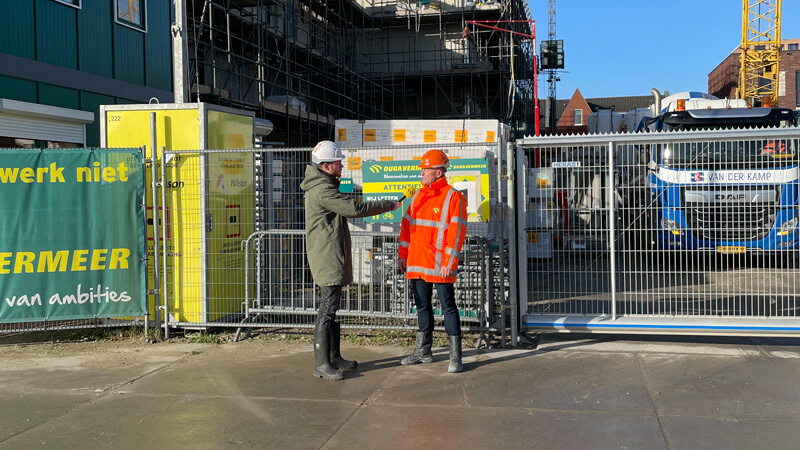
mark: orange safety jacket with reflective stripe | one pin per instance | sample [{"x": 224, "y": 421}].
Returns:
[{"x": 433, "y": 231}]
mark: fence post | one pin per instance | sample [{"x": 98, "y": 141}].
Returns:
[
  {"x": 154, "y": 187},
  {"x": 515, "y": 257},
  {"x": 143, "y": 164},
  {"x": 502, "y": 173},
  {"x": 611, "y": 240},
  {"x": 164, "y": 281},
  {"x": 488, "y": 288}
]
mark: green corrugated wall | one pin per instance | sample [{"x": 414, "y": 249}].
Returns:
[
  {"x": 94, "y": 34},
  {"x": 17, "y": 29},
  {"x": 56, "y": 33},
  {"x": 92, "y": 102},
  {"x": 156, "y": 54},
  {"x": 58, "y": 96},
  {"x": 88, "y": 40},
  {"x": 129, "y": 55},
  {"x": 16, "y": 89}
]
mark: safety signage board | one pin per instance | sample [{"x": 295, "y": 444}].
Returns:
[{"x": 387, "y": 179}]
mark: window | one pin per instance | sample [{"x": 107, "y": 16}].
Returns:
[
  {"x": 577, "y": 117},
  {"x": 75, "y": 3},
  {"x": 291, "y": 22},
  {"x": 797, "y": 88},
  {"x": 9, "y": 142},
  {"x": 131, "y": 13},
  {"x": 794, "y": 46}
]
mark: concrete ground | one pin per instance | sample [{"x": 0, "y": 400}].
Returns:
[{"x": 572, "y": 392}]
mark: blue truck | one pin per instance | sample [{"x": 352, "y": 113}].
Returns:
[{"x": 730, "y": 195}]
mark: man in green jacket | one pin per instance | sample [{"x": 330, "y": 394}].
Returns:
[{"x": 329, "y": 249}]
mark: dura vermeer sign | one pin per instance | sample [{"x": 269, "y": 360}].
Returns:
[{"x": 387, "y": 180}]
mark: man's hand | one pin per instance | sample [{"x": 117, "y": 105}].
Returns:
[
  {"x": 402, "y": 264},
  {"x": 445, "y": 272},
  {"x": 397, "y": 206}
]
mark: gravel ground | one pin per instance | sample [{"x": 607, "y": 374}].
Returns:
[{"x": 113, "y": 340}]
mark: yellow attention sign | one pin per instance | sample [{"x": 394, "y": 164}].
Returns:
[
  {"x": 399, "y": 136},
  {"x": 461, "y": 136},
  {"x": 369, "y": 135},
  {"x": 342, "y": 134},
  {"x": 429, "y": 136}
]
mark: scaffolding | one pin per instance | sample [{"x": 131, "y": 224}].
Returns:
[{"x": 304, "y": 63}]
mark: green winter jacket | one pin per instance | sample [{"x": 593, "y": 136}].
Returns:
[{"x": 327, "y": 233}]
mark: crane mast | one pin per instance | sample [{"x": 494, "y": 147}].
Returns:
[
  {"x": 552, "y": 76},
  {"x": 760, "y": 56}
]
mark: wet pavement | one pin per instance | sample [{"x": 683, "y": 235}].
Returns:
[{"x": 572, "y": 392}]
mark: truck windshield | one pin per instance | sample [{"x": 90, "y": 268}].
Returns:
[{"x": 730, "y": 154}]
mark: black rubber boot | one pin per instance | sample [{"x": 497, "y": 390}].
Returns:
[
  {"x": 336, "y": 358},
  {"x": 455, "y": 354},
  {"x": 422, "y": 354},
  {"x": 322, "y": 348}
]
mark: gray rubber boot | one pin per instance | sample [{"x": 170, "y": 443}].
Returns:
[
  {"x": 336, "y": 358},
  {"x": 455, "y": 354},
  {"x": 422, "y": 353},
  {"x": 322, "y": 348}
]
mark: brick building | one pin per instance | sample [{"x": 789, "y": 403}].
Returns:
[
  {"x": 574, "y": 113},
  {"x": 573, "y": 119},
  {"x": 724, "y": 79}
]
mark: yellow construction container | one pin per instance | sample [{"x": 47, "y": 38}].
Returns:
[{"x": 209, "y": 207}]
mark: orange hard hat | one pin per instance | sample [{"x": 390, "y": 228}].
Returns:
[{"x": 434, "y": 159}]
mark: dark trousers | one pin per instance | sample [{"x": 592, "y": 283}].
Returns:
[
  {"x": 329, "y": 299},
  {"x": 423, "y": 291}
]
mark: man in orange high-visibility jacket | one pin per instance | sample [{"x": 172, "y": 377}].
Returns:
[{"x": 431, "y": 236}]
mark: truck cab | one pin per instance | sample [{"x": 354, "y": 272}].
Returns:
[{"x": 725, "y": 195}]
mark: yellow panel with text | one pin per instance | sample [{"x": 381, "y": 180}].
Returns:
[
  {"x": 176, "y": 129},
  {"x": 231, "y": 208}
]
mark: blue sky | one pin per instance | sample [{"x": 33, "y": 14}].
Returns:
[{"x": 626, "y": 47}]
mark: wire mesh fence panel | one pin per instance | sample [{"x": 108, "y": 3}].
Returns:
[
  {"x": 566, "y": 226},
  {"x": 77, "y": 324},
  {"x": 235, "y": 245},
  {"x": 715, "y": 225},
  {"x": 381, "y": 298},
  {"x": 700, "y": 226}
]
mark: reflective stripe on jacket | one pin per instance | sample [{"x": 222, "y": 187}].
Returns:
[{"x": 433, "y": 231}]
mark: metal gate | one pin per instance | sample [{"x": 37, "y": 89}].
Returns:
[
  {"x": 671, "y": 233},
  {"x": 233, "y": 241}
]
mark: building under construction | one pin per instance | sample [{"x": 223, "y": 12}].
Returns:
[{"x": 304, "y": 63}]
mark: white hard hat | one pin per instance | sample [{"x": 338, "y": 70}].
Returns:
[{"x": 326, "y": 151}]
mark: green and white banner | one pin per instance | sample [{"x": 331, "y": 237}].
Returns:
[
  {"x": 387, "y": 179},
  {"x": 72, "y": 234}
]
